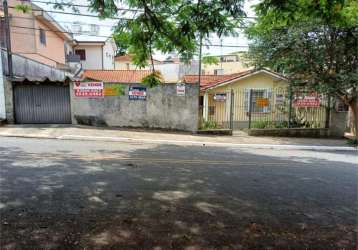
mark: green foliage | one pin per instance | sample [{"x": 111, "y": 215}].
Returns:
[
  {"x": 170, "y": 25},
  {"x": 269, "y": 124},
  {"x": 210, "y": 60},
  {"x": 352, "y": 142},
  {"x": 120, "y": 89},
  {"x": 209, "y": 125},
  {"x": 314, "y": 43},
  {"x": 152, "y": 80},
  {"x": 24, "y": 8}
]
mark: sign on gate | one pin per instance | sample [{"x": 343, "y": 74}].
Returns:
[
  {"x": 280, "y": 99},
  {"x": 308, "y": 101},
  {"x": 220, "y": 97},
  {"x": 180, "y": 89},
  {"x": 137, "y": 93},
  {"x": 262, "y": 102},
  {"x": 88, "y": 89}
]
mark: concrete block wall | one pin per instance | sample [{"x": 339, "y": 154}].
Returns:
[{"x": 162, "y": 109}]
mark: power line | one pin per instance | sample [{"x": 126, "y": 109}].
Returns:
[
  {"x": 68, "y": 22},
  {"x": 121, "y": 9},
  {"x": 74, "y": 14},
  {"x": 83, "y": 6},
  {"x": 79, "y": 33},
  {"x": 100, "y": 25},
  {"x": 56, "y": 31}
]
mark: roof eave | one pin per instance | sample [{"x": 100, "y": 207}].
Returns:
[{"x": 273, "y": 74}]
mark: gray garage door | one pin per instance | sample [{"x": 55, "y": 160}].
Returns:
[{"x": 42, "y": 104}]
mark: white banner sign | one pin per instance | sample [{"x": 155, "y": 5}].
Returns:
[
  {"x": 88, "y": 89},
  {"x": 180, "y": 89}
]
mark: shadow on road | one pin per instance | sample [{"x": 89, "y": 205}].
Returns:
[{"x": 175, "y": 197}]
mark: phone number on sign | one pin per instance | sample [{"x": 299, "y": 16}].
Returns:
[{"x": 89, "y": 93}]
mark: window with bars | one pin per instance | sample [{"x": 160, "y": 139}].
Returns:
[
  {"x": 341, "y": 106},
  {"x": 211, "y": 110},
  {"x": 81, "y": 53},
  {"x": 257, "y": 94}
]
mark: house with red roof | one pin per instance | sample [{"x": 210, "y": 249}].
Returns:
[
  {"x": 115, "y": 76},
  {"x": 225, "y": 98}
]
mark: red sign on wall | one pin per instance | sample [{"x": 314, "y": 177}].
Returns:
[
  {"x": 309, "y": 101},
  {"x": 88, "y": 89}
]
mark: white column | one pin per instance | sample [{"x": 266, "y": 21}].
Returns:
[
  {"x": 2, "y": 93},
  {"x": 206, "y": 106}
]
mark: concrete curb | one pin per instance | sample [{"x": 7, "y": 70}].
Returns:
[{"x": 191, "y": 143}]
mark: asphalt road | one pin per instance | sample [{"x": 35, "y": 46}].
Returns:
[{"x": 58, "y": 194}]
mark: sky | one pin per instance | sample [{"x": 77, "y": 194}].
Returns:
[{"x": 106, "y": 28}]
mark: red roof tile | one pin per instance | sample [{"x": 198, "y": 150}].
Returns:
[
  {"x": 208, "y": 81},
  {"x": 120, "y": 76}
]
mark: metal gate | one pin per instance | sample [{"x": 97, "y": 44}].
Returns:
[
  {"x": 42, "y": 104},
  {"x": 267, "y": 108}
]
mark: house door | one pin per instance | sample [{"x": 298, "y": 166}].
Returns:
[{"x": 42, "y": 104}]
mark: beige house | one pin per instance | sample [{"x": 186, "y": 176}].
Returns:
[
  {"x": 37, "y": 36},
  {"x": 223, "y": 96},
  {"x": 228, "y": 64},
  {"x": 124, "y": 62}
]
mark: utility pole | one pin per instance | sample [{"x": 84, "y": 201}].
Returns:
[
  {"x": 200, "y": 52},
  {"x": 199, "y": 73},
  {"x": 8, "y": 39}
]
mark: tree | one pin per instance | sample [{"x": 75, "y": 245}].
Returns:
[
  {"x": 210, "y": 60},
  {"x": 315, "y": 43},
  {"x": 166, "y": 25},
  {"x": 170, "y": 25}
]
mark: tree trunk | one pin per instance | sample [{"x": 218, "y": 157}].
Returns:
[{"x": 353, "y": 104}]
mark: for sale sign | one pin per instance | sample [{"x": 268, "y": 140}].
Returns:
[
  {"x": 220, "y": 97},
  {"x": 180, "y": 89},
  {"x": 88, "y": 89},
  {"x": 262, "y": 102},
  {"x": 137, "y": 93},
  {"x": 308, "y": 101}
]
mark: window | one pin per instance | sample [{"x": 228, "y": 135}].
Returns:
[
  {"x": 259, "y": 99},
  {"x": 42, "y": 37},
  {"x": 211, "y": 110},
  {"x": 218, "y": 71},
  {"x": 341, "y": 106},
  {"x": 81, "y": 53}
]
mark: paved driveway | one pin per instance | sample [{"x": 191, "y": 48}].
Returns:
[{"x": 58, "y": 194}]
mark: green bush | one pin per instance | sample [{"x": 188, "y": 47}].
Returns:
[
  {"x": 269, "y": 124},
  {"x": 209, "y": 125},
  {"x": 352, "y": 142},
  {"x": 260, "y": 124}
]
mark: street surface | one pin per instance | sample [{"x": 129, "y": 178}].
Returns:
[{"x": 68, "y": 194}]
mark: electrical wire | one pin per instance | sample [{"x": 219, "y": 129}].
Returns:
[
  {"x": 78, "y": 33},
  {"x": 74, "y": 14},
  {"x": 82, "y": 5},
  {"x": 88, "y": 6}
]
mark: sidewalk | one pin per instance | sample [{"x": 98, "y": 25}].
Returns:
[{"x": 241, "y": 139}]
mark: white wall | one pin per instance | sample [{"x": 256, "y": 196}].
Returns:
[
  {"x": 174, "y": 72},
  {"x": 2, "y": 93},
  {"x": 169, "y": 71},
  {"x": 95, "y": 53},
  {"x": 93, "y": 56},
  {"x": 108, "y": 55}
]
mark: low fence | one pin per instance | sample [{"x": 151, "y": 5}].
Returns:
[{"x": 268, "y": 108}]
